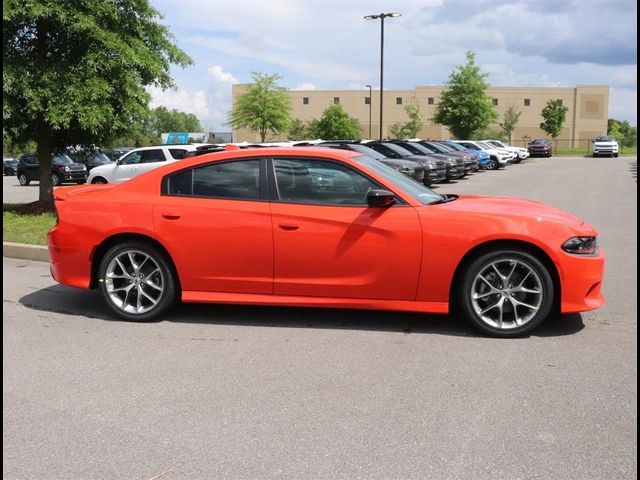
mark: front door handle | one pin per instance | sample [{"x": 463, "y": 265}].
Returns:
[
  {"x": 289, "y": 226},
  {"x": 171, "y": 216}
]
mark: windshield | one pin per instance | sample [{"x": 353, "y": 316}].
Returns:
[
  {"x": 398, "y": 149},
  {"x": 607, "y": 138},
  {"x": 413, "y": 188},
  {"x": 539, "y": 141},
  {"x": 455, "y": 146},
  {"x": 437, "y": 147},
  {"x": 485, "y": 146},
  {"x": 100, "y": 157},
  {"x": 424, "y": 149},
  {"x": 369, "y": 152},
  {"x": 62, "y": 159},
  {"x": 496, "y": 143}
]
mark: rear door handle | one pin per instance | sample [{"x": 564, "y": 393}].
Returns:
[
  {"x": 289, "y": 226},
  {"x": 171, "y": 216}
]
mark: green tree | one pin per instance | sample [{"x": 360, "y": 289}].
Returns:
[
  {"x": 335, "y": 124},
  {"x": 75, "y": 72},
  {"x": 298, "y": 130},
  {"x": 553, "y": 115},
  {"x": 510, "y": 120},
  {"x": 410, "y": 128},
  {"x": 464, "y": 105},
  {"x": 263, "y": 107},
  {"x": 166, "y": 121},
  {"x": 623, "y": 131}
]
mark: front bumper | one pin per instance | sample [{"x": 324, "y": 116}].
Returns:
[{"x": 581, "y": 282}]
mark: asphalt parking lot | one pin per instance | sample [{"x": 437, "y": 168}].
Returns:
[{"x": 247, "y": 392}]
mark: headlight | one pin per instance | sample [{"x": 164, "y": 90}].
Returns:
[
  {"x": 580, "y": 245},
  {"x": 84, "y": 167},
  {"x": 66, "y": 169}
]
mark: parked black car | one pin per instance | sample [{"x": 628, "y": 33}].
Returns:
[
  {"x": 410, "y": 168},
  {"x": 9, "y": 166},
  {"x": 63, "y": 170},
  {"x": 116, "y": 152},
  {"x": 454, "y": 166},
  {"x": 540, "y": 147},
  {"x": 435, "y": 170},
  {"x": 91, "y": 158}
]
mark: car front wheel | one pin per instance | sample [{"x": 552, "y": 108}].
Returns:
[
  {"x": 55, "y": 180},
  {"x": 506, "y": 293},
  {"x": 98, "y": 181},
  {"x": 137, "y": 281},
  {"x": 23, "y": 180},
  {"x": 493, "y": 164}
]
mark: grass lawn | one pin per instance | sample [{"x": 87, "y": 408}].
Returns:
[{"x": 25, "y": 228}]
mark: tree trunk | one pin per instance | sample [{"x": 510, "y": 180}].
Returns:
[{"x": 44, "y": 157}]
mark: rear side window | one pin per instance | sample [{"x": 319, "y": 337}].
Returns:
[
  {"x": 151, "y": 156},
  {"x": 238, "y": 180},
  {"x": 178, "y": 153}
]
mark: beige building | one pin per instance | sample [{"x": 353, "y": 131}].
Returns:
[{"x": 586, "y": 118}]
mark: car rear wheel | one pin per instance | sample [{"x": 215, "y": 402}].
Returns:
[
  {"x": 137, "y": 281},
  {"x": 506, "y": 293},
  {"x": 98, "y": 180},
  {"x": 23, "y": 180}
]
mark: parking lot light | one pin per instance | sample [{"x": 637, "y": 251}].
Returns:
[{"x": 381, "y": 16}]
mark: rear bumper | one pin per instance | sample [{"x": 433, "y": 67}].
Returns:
[{"x": 70, "y": 265}]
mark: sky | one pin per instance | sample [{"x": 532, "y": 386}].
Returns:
[{"x": 327, "y": 44}]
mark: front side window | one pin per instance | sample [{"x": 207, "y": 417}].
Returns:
[
  {"x": 132, "y": 159},
  {"x": 320, "y": 182}
]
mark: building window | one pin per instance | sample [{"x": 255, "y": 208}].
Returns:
[
  {"x": 527, "y": 102},
  {"x": 305, "y": 100},
  {"x": 494, "y": 102},
  {"x": 336, "y": 100},
  {"x": 398, "y": 100},
  {"x": 367, "y": 100},
  {"x": 430, "y": 101},
  {"x": 559, "y": 102}
]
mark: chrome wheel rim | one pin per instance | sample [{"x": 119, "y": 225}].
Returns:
[
  {"x": 22, "y": 179},
  {"x": 134, "y": 282},
  {"x": 55, "y": 180},
  {"x": 507, "y": 293}
]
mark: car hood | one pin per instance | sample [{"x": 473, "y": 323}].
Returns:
[{"x": 516, "y": 208}]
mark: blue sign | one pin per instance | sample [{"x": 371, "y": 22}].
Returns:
[{"x": 177, "y": 138}]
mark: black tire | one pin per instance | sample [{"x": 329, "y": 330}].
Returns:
[
  {"x": 23, "y": 179},
  {"x": 539, "y": 295},
  {"x": 55, "y": 179},
  {"x": 99, "y": 181},
  {"x": 615, "y": 155},
  {"x": 595, "y": 155},
  {"x": 114, "y": 289}
]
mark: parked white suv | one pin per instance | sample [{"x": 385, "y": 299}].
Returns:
[
  {"x": 137, "y": 161},
  {"x": 521, "y": 153},
  {"x": 605, "y": 145},
  {"x": 498, "y": 157}
]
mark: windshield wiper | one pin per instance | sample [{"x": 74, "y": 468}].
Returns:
[{"x": 445, "y": 199}]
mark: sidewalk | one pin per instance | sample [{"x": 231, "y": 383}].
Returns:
[{"x": 25, "y": 252}]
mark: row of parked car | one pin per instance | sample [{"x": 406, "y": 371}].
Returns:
[{"x": 426, "y": 161}]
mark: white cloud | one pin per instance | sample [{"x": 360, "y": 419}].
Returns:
[
  {"x": 181, "y": 100},
  {"x": 217, "y": 75},
  {"x": 305, "y": 86},
  {"x": 623, "y": 104}
]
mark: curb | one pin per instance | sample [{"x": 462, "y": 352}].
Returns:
[{"x": 39, "y": 253}]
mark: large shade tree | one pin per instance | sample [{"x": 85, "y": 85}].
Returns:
[
  {"x": 264, "y": 107},
  {"x": 464, "y": 106},
  {"x": 75, "y": 71}
]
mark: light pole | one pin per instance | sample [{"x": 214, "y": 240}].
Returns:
[
  {"x": 370, "y": 100},
  {"x": 381, "y": 16}
]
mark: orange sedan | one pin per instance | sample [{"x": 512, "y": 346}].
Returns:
[{"x": 316, "y": 227}]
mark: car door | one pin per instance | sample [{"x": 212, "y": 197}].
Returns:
[
  {"x": 329, "y": 243},
  {"x": 138, "y": 162},
  {"x": 217, "y": 220},
  {"x": 31, "y": 167}
]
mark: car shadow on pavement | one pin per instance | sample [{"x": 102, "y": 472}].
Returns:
[{"x": 71, "y": 301}]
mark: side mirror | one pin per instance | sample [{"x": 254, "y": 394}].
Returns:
[{"x": 380, "y": 198}]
